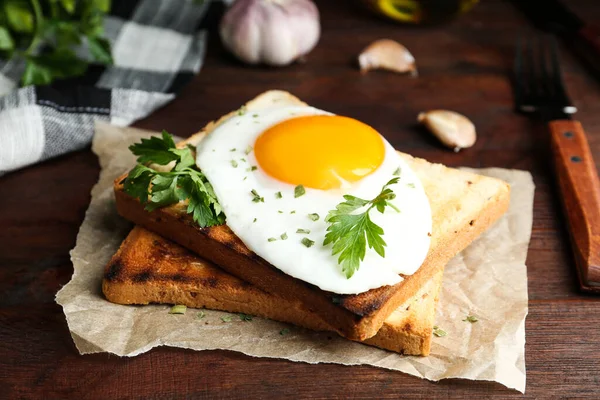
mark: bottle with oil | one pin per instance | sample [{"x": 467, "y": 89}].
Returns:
[{"x": 420, "y": 11}]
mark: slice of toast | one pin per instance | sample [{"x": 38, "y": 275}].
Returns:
[
  {"x": 150, "y": 269},
  {"x": 463, "y": 205}
]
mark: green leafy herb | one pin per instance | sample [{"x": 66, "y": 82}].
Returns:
[
  {"x": 248, "y": 150},
  {"x": 242, "y": 159},
  {"x": 242, "y": 110},
  {"x": 307, "y": 242},
  {"x": 271, "y": 239},
  {"x": 234, "y": 149},
  {"x": 351, "y": 233},
  {"x": 278, "y": 195},
  {"x": 226, "y": 318},
  {"x": 284, "y": 331},
  {"x": 185, "y": 182},
  {"x": 254, "y": 220},
  {"x": 254, "y": 115},
  {"x": 256, "y": 197},
  {"x": 314, "y": 216},
  {"x": 234, "y": 164},
  {"x": 178, "y": 309},
  {"x": 397, "y": 172},
  {"x": 245, "y": 317},
  {"x": 299, "y": 191},
  {"x": 45, "y": 35},
  {"x": 300, "y": 230},
  {"x": 471, "y": 318},
  {"x": 200, "y": 315},
  {"x": 411, "y": 185},
  {"x": 293, "y": 212},
  {"x": 280, "y": 212},
  {"x": 252, "y": 168},
  {"x": 284, "y": 236},
  {"x": 439, "y": 332}
]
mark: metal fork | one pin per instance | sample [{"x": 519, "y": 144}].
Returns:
[{"x": 539, "y": 90}]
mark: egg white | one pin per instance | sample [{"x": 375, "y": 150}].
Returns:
[{"x": 406, "y": 233}]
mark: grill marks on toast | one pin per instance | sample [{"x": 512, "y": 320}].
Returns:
[{"x": 156, "y": 261}]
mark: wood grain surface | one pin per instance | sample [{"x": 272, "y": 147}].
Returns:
[{"x": 464, "y": 66}]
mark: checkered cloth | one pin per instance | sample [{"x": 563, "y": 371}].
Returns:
[{"x": 157, "y": 45}]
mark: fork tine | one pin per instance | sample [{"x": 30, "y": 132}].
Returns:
[{"x": 557, "y": 78}]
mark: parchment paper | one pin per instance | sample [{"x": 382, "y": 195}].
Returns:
[{"x": 488, "y": 280}]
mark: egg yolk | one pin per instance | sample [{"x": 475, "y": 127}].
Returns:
[{"x": 319, "y": 152}]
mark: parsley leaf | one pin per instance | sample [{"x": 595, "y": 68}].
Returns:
[
  {"x": 184, "y": 183},
  {"x": 155, "y": 150},
  {"x": 350, "y": 233},
  {"x": 43, "y": 35}
]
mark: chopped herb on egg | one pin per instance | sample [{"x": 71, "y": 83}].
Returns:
[
  {"x": 257, "y": 198},
  {"x": 271, "y": 239},
  {"x": 293, "y": 212},
  {"x": 234, "y": 149},
  {"x": 226, "y": 318},
  {"x": 254, "y": 115},
  {"x": 252, "y": 168},
  {"x": 314, "y": 216},
  {"x": 242, "y": 110},
  {"x": 245, "y": 178},
  {"x": 299, "y": 191},
  {"x": 234, "y": 163},
  {"x": 284, "y": 331},
  {"x": 411, "y": 185},
  {"x": 305, "y": 231},
  {"x": 200, "y": 315},
  {"x": 284, "y": 236},
  {"x": 280, "y": 212},
  {"x": 307, "y": 242},
  {"x": 254, "y": 220},
  {"x": 397, "y": 172},
  {"x": 248, "y": 150},
  {"x": 278, "y": 195},
  {"x": 242, "y": 159}
]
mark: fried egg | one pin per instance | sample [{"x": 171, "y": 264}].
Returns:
[{"x": 256, "y": 160}]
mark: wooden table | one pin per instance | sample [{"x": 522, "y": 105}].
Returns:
[{"x": 463, "y": 66}]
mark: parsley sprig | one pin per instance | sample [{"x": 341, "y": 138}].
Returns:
[
  {"x": 185, "y": 182},
  {"x": 52, "y": 37},
  {"x": 350, "y": 233}
]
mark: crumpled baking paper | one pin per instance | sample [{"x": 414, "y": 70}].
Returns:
[{"x": 488, "y": 280}]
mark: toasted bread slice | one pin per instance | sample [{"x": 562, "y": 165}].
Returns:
[
  {"x": 463, "y": 205},
  {"x": 149, "y": 269}
]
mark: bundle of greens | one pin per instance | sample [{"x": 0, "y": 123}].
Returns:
[
  {"x": 184, "y": 182},
  {"x": 45, "y": 33}
]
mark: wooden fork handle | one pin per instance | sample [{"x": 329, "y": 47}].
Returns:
[{"x": 580, "y": 190}]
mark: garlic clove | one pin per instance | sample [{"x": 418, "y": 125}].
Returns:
[
  {"x": 454, "y": 130},
  {"x": 387, "y": 54}
]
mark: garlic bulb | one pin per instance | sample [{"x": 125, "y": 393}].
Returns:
[
  {"x": 454, "y": 130},
  {"x": 273, "y": 32}
]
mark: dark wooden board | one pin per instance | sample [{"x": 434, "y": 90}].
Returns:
[{"x": 463, "y": 66}]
